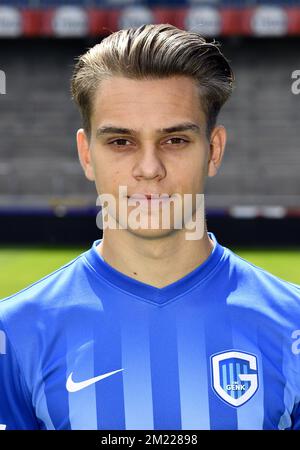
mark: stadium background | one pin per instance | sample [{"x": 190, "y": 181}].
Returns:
[{"x": 47, "y": 207}]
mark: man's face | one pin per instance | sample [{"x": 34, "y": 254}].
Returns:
[{"x": 147, "y": 158}]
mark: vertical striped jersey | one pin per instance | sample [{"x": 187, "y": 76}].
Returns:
[{"x": 88, "y": 347}]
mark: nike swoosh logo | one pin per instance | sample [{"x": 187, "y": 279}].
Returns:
[{"x": 72, "y": 386}]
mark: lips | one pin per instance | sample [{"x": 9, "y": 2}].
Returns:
[{"x": 149, "y": 196}]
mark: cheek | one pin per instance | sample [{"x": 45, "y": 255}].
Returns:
[
  {"x": 194, "y": 179},
  {"x": 109, "y": 181},
  {"x": 193, "y": 169},
  {"x": 103, "y": 168}
]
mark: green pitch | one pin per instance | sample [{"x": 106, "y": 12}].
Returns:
[{"x": 20, "y": 267}]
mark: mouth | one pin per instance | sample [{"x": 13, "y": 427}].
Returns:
[{"x": 149, "y": 196}]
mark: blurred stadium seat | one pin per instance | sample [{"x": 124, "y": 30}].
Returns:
[
  {"x": 168, "y": 3},
  {"x": 54, "y": 3}
]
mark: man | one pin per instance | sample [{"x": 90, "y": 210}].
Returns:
[{"x": 152, "y": 328}]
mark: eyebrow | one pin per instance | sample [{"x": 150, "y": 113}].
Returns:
[{"x": 186, "y": 126}]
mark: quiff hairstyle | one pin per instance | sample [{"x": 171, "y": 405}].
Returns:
[{"x": 153, "y": 52}]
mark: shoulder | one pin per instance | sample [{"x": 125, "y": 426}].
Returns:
[
  {"x": 256, "y": 273},
  {"x": 48, "y": 292},
  {"x": 35, "y": 320},
  {"x": 262, "y": 287}
]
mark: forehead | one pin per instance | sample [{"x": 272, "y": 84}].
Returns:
[{"x": 150, "y": 100}]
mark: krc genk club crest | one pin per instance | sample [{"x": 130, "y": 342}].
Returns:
[{"x": 234, "y": 376}]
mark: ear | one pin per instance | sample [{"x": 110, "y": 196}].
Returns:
[
  {"x": 84, "y": 154},
  {"x": 217, "y": 148}
]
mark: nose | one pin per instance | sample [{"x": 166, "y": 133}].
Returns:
[{"x": 148, "y": 164}]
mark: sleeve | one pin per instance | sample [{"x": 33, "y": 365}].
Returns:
[{"x": 16, "y": 410}]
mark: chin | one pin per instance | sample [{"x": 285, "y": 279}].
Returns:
[
  {"x": 146, "y": 232},
  {"x": 152, "y": 234}
]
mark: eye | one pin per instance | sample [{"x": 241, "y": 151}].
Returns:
[
  {"x": 177, "y": 139},
  {"x": 120, "y": 141}
]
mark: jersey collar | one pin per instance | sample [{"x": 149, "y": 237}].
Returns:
[{"x": 151, "y": 293}]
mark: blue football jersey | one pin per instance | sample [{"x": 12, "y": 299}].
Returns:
[{"x": 88, "y": 347}]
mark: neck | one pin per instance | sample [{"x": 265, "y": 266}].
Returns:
[{"x": 156, "y": 261}]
